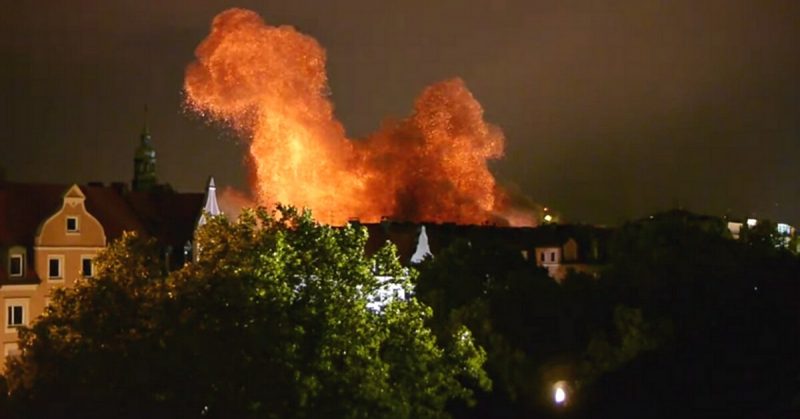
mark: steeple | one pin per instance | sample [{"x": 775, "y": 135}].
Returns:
[
  {"x": 211, "y": 207},
  {"x": 144, "y": 162},
  {"x": 423, "y": 248}
]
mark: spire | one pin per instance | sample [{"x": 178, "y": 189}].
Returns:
[
  {"x": 211, "y": 207},
  {"x": 423, "y": 249},
  {"x": 144, "y": 161}
]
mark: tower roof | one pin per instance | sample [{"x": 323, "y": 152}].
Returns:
[
  {"x": 144, "y": 161},
  {"x": 211, "y": 207}
]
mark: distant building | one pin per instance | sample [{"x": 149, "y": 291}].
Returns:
[
  {"x": 50, "y": 234},
  {"x": 787, "y": 233},
  {"x": 558, "y": 249}
]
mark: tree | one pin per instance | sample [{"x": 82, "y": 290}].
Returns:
[
  {"x": 279, "y": 317},
  {"x": 526, "y": 321},
  {"x": 696, "y": 313}
]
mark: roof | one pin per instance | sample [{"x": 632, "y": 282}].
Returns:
[
  {"x": 25, "y": 206},
  {"x": 404, "y": 235},
  {"x": 168, "y": 216}
]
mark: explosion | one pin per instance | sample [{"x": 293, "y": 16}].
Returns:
[{"x": 270, "y": 85}]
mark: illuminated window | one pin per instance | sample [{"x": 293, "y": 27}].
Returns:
[
  {"x": 54, "y": 268},
  {"x": 86, "y": 267},
  {"x": 72, "y": 224},
  {"x": 15, "y": 265}
]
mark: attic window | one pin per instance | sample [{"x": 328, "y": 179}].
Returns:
[
  {"x": 15, "y": 265},
  {"x": 72, "y": 224}
]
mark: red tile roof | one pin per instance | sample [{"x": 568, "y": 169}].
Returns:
[{"x": 168, "y": 216}]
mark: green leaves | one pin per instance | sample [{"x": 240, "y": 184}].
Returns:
[{"x": 279, "y": 317}]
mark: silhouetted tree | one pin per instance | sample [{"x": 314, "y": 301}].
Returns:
[
  {"x": 280, "y": 317},
  {"x": 723, "y": 315}
]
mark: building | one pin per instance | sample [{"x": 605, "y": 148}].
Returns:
[
  {"x": 559, "y": 249},
  {"x": 785, "y": 235},
  {"x": 50, "y": 234}
]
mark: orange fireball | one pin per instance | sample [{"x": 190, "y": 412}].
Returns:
[{"x": 269, "y": 84}]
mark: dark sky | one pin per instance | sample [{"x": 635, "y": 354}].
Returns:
[{"x": 610, "y": 111}]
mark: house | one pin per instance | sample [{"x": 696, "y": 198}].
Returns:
[
  {"x": 558, "y": 249},
  {"x": 561, "y": 249},
  {"x": 50, "y": 233}
]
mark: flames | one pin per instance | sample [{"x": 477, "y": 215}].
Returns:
[{"x": 269, "y": 84}]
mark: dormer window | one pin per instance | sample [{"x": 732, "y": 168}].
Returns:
[
  {"x": 72, "y": 225},
  {"x": 15, "y": 264}
]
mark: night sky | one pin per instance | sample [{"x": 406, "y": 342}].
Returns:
[{"x": 610, "y": 111}]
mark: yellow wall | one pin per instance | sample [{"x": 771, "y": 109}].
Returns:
[{"x": 53, "y": 240}]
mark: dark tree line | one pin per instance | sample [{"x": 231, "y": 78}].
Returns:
[
  {"x": 683, "y": 322},
  {"x": 282, "y": 317}
]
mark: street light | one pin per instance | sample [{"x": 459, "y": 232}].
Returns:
[
  {"x": 560, "y": 396},
  {"x": 560, "y": 393}
]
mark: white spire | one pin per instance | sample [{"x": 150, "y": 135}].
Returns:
[
  {"x": 423, "y": 249},
  {"x": 211, "y": 206}
]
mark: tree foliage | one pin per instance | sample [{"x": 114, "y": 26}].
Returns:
[
  {"x": 279, "y": 317},
  {"x": 711, "y": 327}
]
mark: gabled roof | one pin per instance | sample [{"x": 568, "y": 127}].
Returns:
[
  {"x": 161, "y": 213},
  {"x": 112, "y": 210},
  {"x": 23, "y": 207},
  {"x": 168, "y": 216}
]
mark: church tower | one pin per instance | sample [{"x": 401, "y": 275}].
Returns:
[{"x": 144, "y": 162}]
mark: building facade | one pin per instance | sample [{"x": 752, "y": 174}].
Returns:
[{"x": 50, "y": 234}]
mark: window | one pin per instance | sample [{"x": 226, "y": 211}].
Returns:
[
  {"x": 16, "y": 313},
  {"x": 552, "y": 256},
  {"x": 15, "y": 265},
  {"x": 86, "y": 267},
  {"x": 54, "y": 267},
  {"x": 542, "y": 256},
  {"x": 72, "y": 224}
]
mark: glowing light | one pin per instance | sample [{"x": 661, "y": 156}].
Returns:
[
  {"x": 548, "y": 218},
  {"x": 784, "y": 228},
  {"x": 561, "y": 393},
  {"x": 560, "y": 396},
  {"x": 269, "y": 84}
]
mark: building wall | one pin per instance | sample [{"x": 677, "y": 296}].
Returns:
[{"x": 68, "y": 242}]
